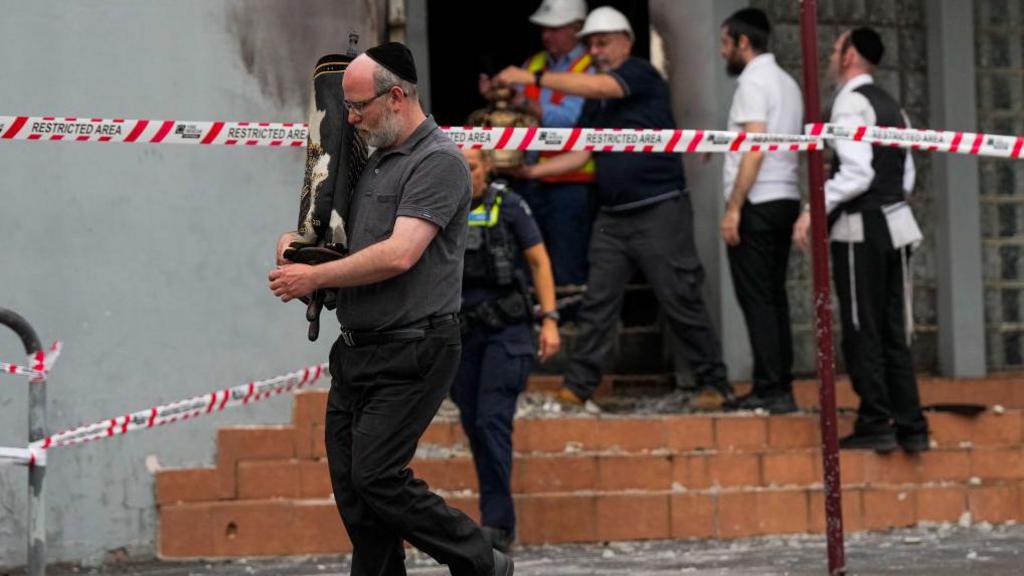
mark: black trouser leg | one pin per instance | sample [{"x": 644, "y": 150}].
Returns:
[
  {"x": 878, "y": 358},
  {"x": 663, "y": 246},
  {"x": 610, "y": 269},
  {"x": 489, "y": 383},
  {"x": 759, "y": 264},
  {"x": 382, "y": 400},
  {"x": 899, "y": 361}
]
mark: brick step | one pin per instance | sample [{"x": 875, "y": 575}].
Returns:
[
  {"x": 544, "y": 473},
  {"x": 733, "y": 432},
  {"x": 1006, "y": 390},
  {"x": 294, "y": 527},
  {"x": 740, "y": 432},
  {"x": 751, "y": 434}
]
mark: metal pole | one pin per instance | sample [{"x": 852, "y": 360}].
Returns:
[
  {"x": 36, "y": 431},
  {"x": 822, "y": 298}
]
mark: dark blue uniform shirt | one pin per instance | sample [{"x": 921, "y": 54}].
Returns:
[{"x": 627, "y": 180}]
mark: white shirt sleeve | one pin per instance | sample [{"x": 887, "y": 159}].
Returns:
[
  {"x": 749, "y": 104},
  {"x": 855, "y": 172},
  {"x": 909, "y": 170}
]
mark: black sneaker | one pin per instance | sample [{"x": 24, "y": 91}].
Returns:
[
  {"x": 914, "y": 443},
  {"x": 502, "y": 564},
  {"x": 499, "y": 539},
  {"x": 773, "y": 403},
  {"x": 881, "y": 442}
]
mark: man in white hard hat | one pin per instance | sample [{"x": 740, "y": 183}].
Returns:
[
  {"x": 561, "y": 204},
  {"x": 645, "y": 219}
]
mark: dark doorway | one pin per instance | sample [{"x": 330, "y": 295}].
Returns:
[{"x": 469, "y": 38}]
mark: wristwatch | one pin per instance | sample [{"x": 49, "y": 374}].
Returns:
[
  {"x": 552, "y": 314},
  {"x": 536, "y": 77}
]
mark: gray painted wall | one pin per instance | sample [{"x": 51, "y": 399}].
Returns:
[
  {"x": 149, "y": 262},
  {"x": 701, "y": 94}
]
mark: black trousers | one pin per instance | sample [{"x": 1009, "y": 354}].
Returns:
[
  {"x": 877, "y": 355},
  {"x": 759, "y": 265},
  {"x": 382, "y": 398},
  {"x": 659, "y": 240}
]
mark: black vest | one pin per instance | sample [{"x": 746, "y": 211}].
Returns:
[{"x": 888, "y": 163}]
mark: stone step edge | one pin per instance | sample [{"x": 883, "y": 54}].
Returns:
[
  {"x": 198, "y": 529},
  {"x": 696, "y": 468},
  {"x": 713, "y": 491}
]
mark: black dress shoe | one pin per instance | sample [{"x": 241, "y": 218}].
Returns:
[
  {"x": 502, "y": 564},
  {"x": 773, "y": 403},
  {"x": 914, "y": 443},
  {"x": 881, "y": 442}
]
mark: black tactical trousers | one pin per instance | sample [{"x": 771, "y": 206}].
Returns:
[{"x": 659, "y": 241}]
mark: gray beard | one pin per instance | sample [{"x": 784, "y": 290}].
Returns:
[{"x": 387, "y": 133}]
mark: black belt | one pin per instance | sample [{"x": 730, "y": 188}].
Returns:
[{"x": 408, "y": 333}]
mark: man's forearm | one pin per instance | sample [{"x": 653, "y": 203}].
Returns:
[
  {"x": 592, "y": 86},
  {"x": 375, "y": 263}
]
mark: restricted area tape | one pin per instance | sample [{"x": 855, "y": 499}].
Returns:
[
  {"x": 72, "y": 129},
  {"x": 289, "y": 134},
  {"x": 975, "y": 144},
  {"x": 627, "y": 140},
  {"x": 21, "y": 456},
  {"x": 41, "y": 363},
  {"x": 179, "y": 411},
  {"x": 185, "y": 409}
]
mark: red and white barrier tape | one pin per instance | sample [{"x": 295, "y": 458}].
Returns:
[
  {"x": 627, "y": 140},
  {"x": 928, "y": 140},
  {"x": 21, "y": 456},
  {"x": 288, "y": 134},
  {"x": 169, "y": 413},
  {"x": 71, "y": 129},
  {"x": 42, "y": 361}
]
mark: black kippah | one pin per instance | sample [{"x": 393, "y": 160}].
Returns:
[
  {"x": 868, "y": 43},
  {"x": 396, "y": 58},
  {"x": 753, "y": 17}
]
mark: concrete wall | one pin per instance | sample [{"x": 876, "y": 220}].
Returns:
[
  {"x": 701, "y": 94},
  {"x": 149, "y": 262}
]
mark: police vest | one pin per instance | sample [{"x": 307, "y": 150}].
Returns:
[
  {"x": 537, "y": 63},
  {"x": 490, "y": 251},
  {"x": 888, "y": 163}
]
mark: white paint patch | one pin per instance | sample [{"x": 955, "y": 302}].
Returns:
[{"x": 337, "y": 229}]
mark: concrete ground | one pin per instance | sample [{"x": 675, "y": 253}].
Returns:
[{"x": 932, "y": 550}]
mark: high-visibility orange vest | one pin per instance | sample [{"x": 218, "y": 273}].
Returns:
[{"x": 537, "y": 63}]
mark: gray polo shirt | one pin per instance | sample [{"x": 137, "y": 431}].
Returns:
[{"x": 425, "y": 177}]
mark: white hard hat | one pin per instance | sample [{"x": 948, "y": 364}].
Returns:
[
  {"x": 605, "y": 19},
  {"x": 557, "y": 13}
]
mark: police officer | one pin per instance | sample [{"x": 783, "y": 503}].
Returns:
[
  {"x": 398, "y": 297},
  {"x": 497, "y": 341},
  {"x": 873, "y": 232}
]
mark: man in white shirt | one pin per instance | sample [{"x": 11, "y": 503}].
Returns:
[
  {"x": 762, "y": 203},
  {"x": 873, "y": 232}
]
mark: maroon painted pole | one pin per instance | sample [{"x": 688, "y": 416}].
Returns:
[{"x": 822, "y": 297}]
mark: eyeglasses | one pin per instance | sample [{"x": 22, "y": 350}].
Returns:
[{"x": 359, "y": 107}]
